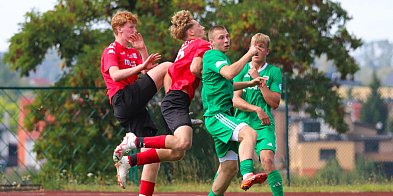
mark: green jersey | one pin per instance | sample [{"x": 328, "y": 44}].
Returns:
[
  {"x": 217, "y": 91},
  {"x": 254, "y": 96}
]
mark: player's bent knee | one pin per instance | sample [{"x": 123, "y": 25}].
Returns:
[
  {"x": 184, "y": 145},
  {"x": 165, "y": 65}
]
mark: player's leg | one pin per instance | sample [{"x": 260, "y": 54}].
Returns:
[
  {"x": 176, "y": 113},
  {"x": 266, "y": 148},
  {"x": 227, "y": 170},
  {"x": 221, "y": 131},
  {"x": 274, "y": 177},
  {"x": 148, "y": 178},
  {"x": 174, "y": 108},
  {"x": 225, "y": 128},
  {"x": 159, "y": 75},
  {"x": 247, "y": 138}
]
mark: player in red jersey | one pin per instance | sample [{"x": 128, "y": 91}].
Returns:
[
  {"x": 175, "y": 105},
  {"x": 128, "y": 94}
]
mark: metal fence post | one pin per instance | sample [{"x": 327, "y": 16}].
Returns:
[{"x": 286, "y": 126}]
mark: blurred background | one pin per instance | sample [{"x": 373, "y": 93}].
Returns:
[{"x": 334, "y": 125}]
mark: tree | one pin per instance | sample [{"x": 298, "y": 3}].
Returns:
[
  {"x": 300, "y": 31},
  {"x": 375, "y": 111}
]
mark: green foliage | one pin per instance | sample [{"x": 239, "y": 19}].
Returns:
[
  {"x": 83, "y": 132},
  {"x": 375, "y": 110},
  {"x": 332, "y": 174}
]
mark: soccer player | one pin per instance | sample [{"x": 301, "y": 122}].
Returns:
[
  {"x": 128, "y": 93},
  {"x": 231, "y": 136},
  {"x": 175, "y": 105},
  {"x": 254, "y": 106}
]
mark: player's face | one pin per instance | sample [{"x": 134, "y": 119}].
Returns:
[
  {"x": 261, "y": 55},
  {"x": 221, "y": 40},
  {"x": 127, "y": 30},
  {"x": 198, "y": 30}
]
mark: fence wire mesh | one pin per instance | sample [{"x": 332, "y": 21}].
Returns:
[{"x": 56, "y": 135}]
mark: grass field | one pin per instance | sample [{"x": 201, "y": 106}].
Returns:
[{"x": 235, "y": 187}]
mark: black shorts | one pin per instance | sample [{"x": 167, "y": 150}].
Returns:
[
  {"x": 175, "y": 110},
  {"x": 129, "y": 105}
]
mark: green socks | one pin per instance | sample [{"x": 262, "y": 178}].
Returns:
[
  {"x": 275, "y": 183},
  {"x": 212, "y": 194},
  {"x": 246, "y": 166}
]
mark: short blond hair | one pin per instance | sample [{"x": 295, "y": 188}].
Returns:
[
  {"x": 213, "y": 29},
  {"x": 121, "y": 18},
  {"x": 261, "y": 38},
  {"x": 181, "y": 22}
]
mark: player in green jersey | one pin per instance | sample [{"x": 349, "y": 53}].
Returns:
[
  {"x": 254, "y": 104},
  {"x": 231, "y": 136}
]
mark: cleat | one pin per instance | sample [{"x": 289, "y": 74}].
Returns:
[
  {"x": 196, "y": 122},
  {"x": 122, "y": 168},
  {"x": 253, "y": 179},
  {"x": 124, "y": 147}
]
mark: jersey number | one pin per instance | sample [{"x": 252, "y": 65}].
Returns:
[{"x": 180, "y": 55}]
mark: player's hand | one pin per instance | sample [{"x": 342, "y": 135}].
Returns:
[
  {"x": 150, "y": 62},
  {"x": 263, "y": 116},
  {"x": 257, "y": 81},
  {"x": 253, "y": 50},
  {"x": 137, "y": 41}
]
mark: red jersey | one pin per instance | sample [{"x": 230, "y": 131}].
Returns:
[
  {"x": 182, "y": 78},
  {"x": 122, "y": 57}
]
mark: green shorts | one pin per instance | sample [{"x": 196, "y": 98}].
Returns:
[
  {"x": 266, "y": 139},
  {"x": 221, "y": 127}
]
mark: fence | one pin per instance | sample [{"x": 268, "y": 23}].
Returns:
[{"x": 53, "y": 136}]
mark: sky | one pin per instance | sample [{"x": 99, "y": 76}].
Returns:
[{"x": 372, "y": 19}]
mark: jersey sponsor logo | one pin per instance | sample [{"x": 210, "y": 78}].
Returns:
[
  {"x": 270, "y": 144},
  {"x": 251, "y": 88},
  {"x": 134, "y": 55},
  {"x": 219, "y": 63},
  {"x": 110, "y": 51},
  {"x": 129, "y": 63}
]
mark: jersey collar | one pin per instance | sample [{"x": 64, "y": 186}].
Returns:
[{"x": 260, "y": 69}]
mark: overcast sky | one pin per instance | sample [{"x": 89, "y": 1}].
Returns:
[{"x": 372, "y": 19}]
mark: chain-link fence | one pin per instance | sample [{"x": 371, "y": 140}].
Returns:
[
  {"x": 60, "y": 135},
  {"x": 56, "y": 135}
]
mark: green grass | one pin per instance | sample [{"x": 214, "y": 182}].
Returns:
[{"x": 235, "y": 187}]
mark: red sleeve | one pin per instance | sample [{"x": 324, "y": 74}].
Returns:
[
  {"x": 110, "y": 59},
  {"x": 202, "y": 48}
]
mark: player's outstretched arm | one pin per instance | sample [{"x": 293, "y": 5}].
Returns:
[
  {"x": 242, "y": 85},
  {"x": 229, "y": 72}
]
